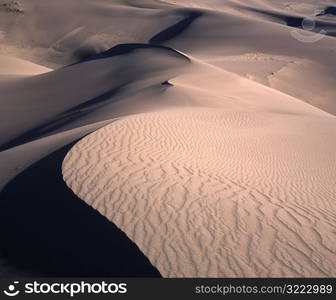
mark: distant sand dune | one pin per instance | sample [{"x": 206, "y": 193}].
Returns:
[
  {"x": 61, "y": 100},
  {"x": 206, "y": 192},
  {"x": 200, "y": 28},
  {"x": 15, "y": 66}
]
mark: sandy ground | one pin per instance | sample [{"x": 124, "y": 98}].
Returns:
[
  {"x": 211, "y": 30},
  {"x": 216, "y": 158},
  {"x": 211, "y": 192}
]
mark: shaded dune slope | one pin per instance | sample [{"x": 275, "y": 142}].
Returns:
[
  {"x": 266, "y": 33},
  {"x": 123, "y": 49},
  {"x": 58, "y": 113},
  {"x": 109, "y": 77},
  {"x": 46, "y": 229},
  {"x": 176, "y": 29},
  {"x": 329, "y": 10},
  {"x": 147, "y": 70},
  {"x": 297, "y": 21}
]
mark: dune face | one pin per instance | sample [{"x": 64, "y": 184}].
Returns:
[
  {"x": 209, "y": 192},
  {"x": 194, "y": 137},
  {"x": 82, "y": 96}
]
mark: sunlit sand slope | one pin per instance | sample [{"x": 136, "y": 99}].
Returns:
[{"x": 210, "y": 192}]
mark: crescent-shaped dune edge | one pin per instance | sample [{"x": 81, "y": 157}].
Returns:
[{"x": 210, "y": 192}]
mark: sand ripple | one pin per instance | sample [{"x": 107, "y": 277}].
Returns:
[{"x": 206, "y": 192}]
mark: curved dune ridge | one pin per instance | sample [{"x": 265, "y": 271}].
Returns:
[{"x": 208, "y": 192}]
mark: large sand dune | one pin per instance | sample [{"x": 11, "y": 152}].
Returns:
[
  {"x": 210, "y": 192},
  {"x": 54, "y": 101},
  {"x": 241, "y": 185},
  {"x": 216, "y": 158}
]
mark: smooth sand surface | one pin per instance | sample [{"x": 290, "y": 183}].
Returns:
[
  {"x": 208, "y": 30},
  {"x": 217, "y": 156},
  {"x": 15, "y": 66}
]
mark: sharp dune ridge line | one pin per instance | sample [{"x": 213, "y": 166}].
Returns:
[{"x": 206, "y": 133}]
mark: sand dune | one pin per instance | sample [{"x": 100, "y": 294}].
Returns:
[
  {"x": 198, "y": 188},
  {"x": 62, "y": 99},
  {"x": 205, "y": 29},
  {"x": 206, "y": 131}
]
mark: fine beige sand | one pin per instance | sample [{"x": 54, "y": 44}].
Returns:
[
  {"x": 15, "y": 66},
  {"x": 238, "y": 191},
  {"x": 205, "y": 129}
]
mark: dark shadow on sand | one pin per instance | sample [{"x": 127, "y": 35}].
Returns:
[
  {"x": 62, "y": 119},
  {"x": 297, "y": 21},
  {"x": 330, "y": 10},
  {"x": 123, "y": 49},
  {"x": 46, "y": 229},
  {"x": 176, "y": 29},
  {"x": 87, "y": 106}
]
